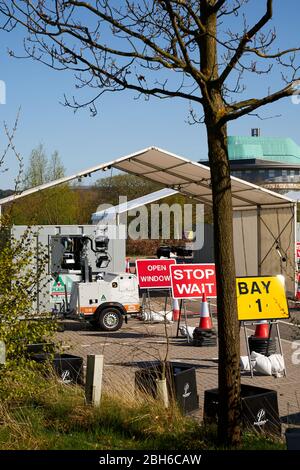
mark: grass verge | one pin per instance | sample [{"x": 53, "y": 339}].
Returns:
[{"x": 40, "y": 413}]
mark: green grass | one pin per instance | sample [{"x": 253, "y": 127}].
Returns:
[{"x": 45, "y": 414}]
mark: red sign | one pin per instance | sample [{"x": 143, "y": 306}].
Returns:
[
  {"x": 193, "y": 280},
  {"x": 298, "y": 250},
  {"x": 154, "y": 273}
]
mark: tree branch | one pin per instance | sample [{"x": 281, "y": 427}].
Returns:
[
  {"x": 188, "y": 66},
  {"x": 63, "y": 28},
  {"x": 242, "y": 108},
  {"x": 218, "y": 5},
  {"x": 120, "y": 26},
  {"x": 247, "y": 37},
  {"x": 272, "y": 56}
]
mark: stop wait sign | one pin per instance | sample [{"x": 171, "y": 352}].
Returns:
[{"x": 193, "y": 280}]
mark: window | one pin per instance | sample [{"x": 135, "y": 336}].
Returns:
[{"x": 271, "y": 173}]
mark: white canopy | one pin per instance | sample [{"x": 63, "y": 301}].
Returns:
[
  {"x": 175, "y": 172},
  {"x": 264, "y": 221},
  {"x": 193, "y": 179}
]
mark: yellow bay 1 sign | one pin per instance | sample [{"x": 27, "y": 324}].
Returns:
[{"x": 261, "y": 298}]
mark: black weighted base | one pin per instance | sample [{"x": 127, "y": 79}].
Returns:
[
  {"x": 260, "y": 345},
  {"x": 203, "y": 337}
]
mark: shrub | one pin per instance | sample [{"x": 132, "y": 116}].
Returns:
[{"x": 21, "y": 279}]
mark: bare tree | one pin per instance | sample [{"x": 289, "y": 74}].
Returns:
[{"x": 197, "y": 50}]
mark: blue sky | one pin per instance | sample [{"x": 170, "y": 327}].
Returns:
[{"x": 123, "y": 124}]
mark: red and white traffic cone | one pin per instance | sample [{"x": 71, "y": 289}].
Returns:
[
  {"x": 127, "y": 265},
  {"x": 205, "y": 319},
  {"x": 205, "y": 334},
  {"x": 175, "y": 308},
  {"x": 262, "y": 329}
]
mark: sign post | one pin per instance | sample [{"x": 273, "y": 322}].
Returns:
[
  {"x": 261, "y": 298},
  {"x": 154, "y": 274}
]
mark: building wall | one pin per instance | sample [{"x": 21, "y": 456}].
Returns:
[{"x": 256, "y": 174}]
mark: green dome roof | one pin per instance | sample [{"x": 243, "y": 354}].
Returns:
[{"x": 276, "y": 149}]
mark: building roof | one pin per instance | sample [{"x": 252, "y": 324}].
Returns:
[
  {"x": 274, "y": 149},
  {"x": 181, "y": 174}
]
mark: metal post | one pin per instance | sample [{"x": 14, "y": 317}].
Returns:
[
  {"x": 269, "y": 336},
  {"x": 179, "y": 317},
  {"x": 166, "y": 302},
  {"x": 149, "y": 306},
  {"x": 93, "y": 383},
  {"x": 171, "y": 301},
  {"x": 185, "y": 319},
  {"x": 258, "y": 240},
  {"x": 280, "y": 346},
  {"x": 248, "y": 350},
  {"x": 143, "y": 302}
]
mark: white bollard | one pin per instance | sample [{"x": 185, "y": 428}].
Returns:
[
  {"x": 162, "y": 391},
  {"x": 2, "y": 352},
  {"x": 93, "y": 383}
]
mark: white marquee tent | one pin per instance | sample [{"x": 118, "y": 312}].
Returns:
[{"x": 264, "y": 221}]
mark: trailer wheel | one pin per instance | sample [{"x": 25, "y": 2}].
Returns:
[{"x": 110, "y": 319}]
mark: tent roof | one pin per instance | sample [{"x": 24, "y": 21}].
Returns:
[
  {"x": 178, "y": 173},
  {"x": 193, "y": 179}
]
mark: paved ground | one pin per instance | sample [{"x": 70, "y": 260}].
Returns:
[{"x": 137, "y": 343}]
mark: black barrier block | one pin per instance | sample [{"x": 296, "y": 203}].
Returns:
[
  {"x": 181, "y": 383},
  {"x": 39, "y": 348},
  {"x": 259, "y": 408},
  {"x": 68, "y": 367},
  {"x": 292, "y": 437}
]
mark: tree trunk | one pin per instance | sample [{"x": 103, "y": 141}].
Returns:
[{"x": 228, "y": 327}]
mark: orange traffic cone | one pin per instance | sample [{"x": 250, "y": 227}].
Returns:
[
  {"x": 262, "y": 329},
  {"x": 127, "y": 265},
  {"x": 205, "y": 320},
  {"x": 175, "y": 308}
]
